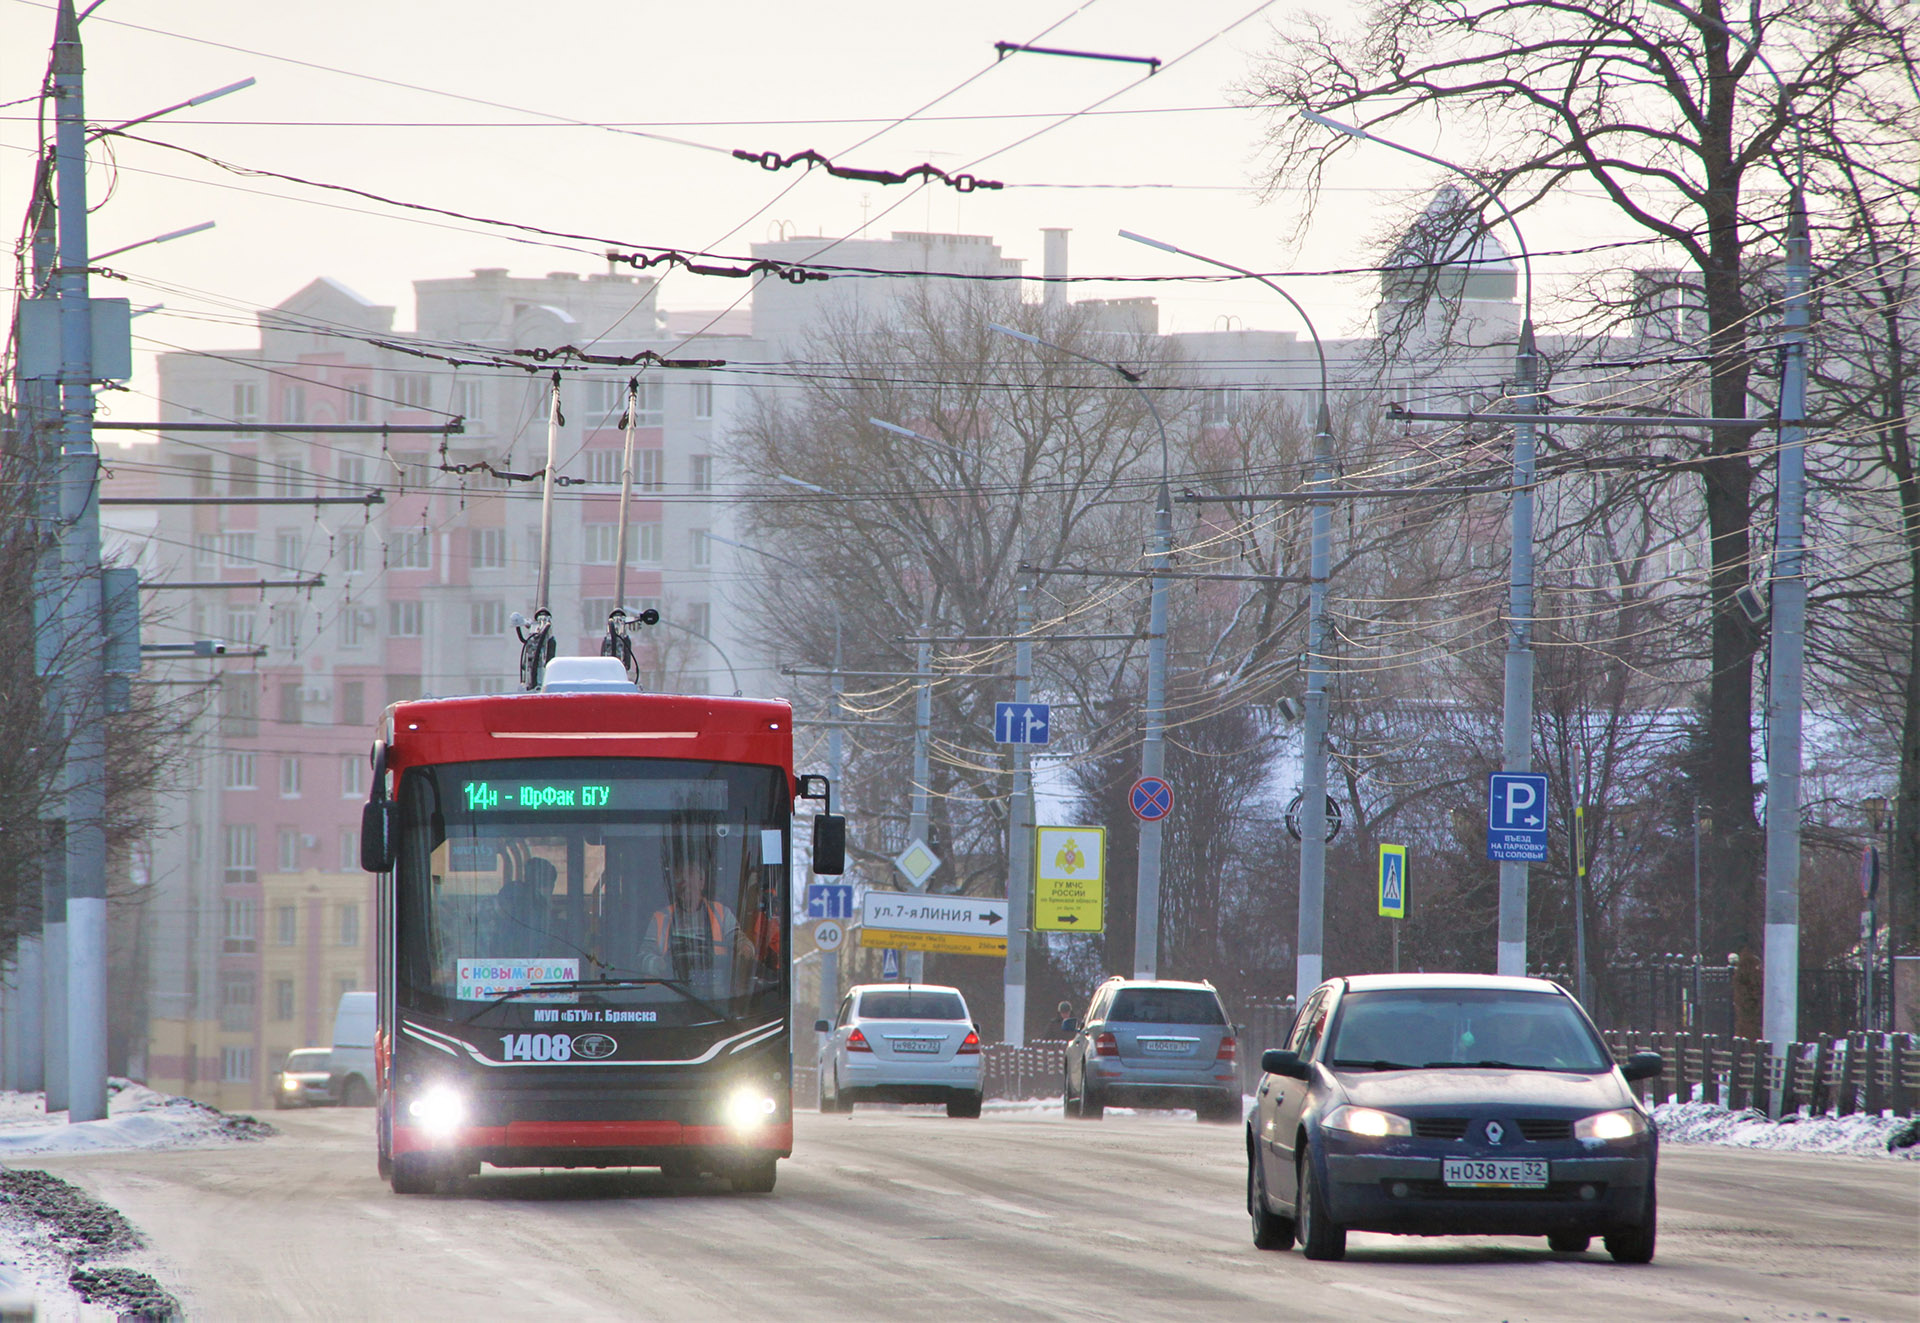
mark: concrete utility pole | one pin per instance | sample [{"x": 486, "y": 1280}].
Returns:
[
  {"x": 1020, "y": 830},
  {"x": 913, "y": 963},
  {"x": 80, "y": 606},
  {"x": 1787, "y": 646},
  {"x": 1146, "y": 917},
  {"x": 1516, "y": 723},
  {"x": 830, "y": 960}
]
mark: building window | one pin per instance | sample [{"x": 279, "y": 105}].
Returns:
[
  {"x": 357, "y": 405},
  {"x": 403, "y": 620},
  {"x": 286, "y": 925},
  {"x": 349, "y": 925},
  {"x": 236, "y": 1006},
  {"x": 603, "y": 466},
  {"x": 286, "y": 627},
  {"x": 289, "y": 850},
  {"x": 353, "y": 776},
  {"x": 402, "y": 688},
  {"x": 236, "y": 1063},
  {"x": 469, "y": 400},
  {"x": 487, "y": 548},
  {"x": 199, "y": 469},
  {"x": 413, "y": 390},
  {"x": 353, "y": 471},
  {"x": 702, "y": 472},
  {"x": 349, "y": 851},
  {"x": 240, "y": 772},
  {"x": 353, "y": 703},
  {"x": 236, "y": 552},
  {"x": 243, "y": 476},
  {"x": 292, "y": 706},
  {"x": 237, "y": 853},
  {"x": 240, "y": 704},
  {"x": 700, "y": 619},
  {"x": 246, "y": 401},
  {"x": 206, "y": 552},
  {"x": 237, "y": 924},
  {"x": 356, "y": 623},
  {"x": 487, "y": 618},
  {"x": 288, "y": 548},
  {"x": 602, "y": 543},
  {"x": 289, "y": 778},
  {"x": 411, "y": 549},
  {"x": 608, "y": 400},
  {"x": 594, "y": 612},
  {"x": 283, "y": 999},
  {"x": 293, "y": 404},
  {"x": 701, "y": 549},
  {"x": 703, "y": 399},
  {"x": 241, "y": 622},
  {"x": 353, "y": 552}
]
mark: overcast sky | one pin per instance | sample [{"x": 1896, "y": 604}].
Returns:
[{"x": 1169, "y": 155}]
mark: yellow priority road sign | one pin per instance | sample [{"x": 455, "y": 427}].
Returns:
[{"x": 1070, "y": 879}]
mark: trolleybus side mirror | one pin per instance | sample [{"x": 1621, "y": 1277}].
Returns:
[
  {"x": 376, "y": 818},
  {"x": 829, "y": 844}
]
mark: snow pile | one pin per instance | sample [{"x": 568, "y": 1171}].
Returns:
[
  {"x": 1709, "y": 1123},
  {"x": 137, "y": 1117},
  {"x": 55, "y": 1235}
]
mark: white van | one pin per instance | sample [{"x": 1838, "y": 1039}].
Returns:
[{"x": 352, "y": 1062}]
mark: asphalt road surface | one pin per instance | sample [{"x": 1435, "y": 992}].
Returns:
[{"x": 906, "y": 1215}]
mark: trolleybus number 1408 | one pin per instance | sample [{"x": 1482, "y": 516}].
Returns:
[{"x": 536, "y": 1047}]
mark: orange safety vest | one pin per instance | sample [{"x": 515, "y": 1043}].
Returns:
[{"x": 660, "y": 921}]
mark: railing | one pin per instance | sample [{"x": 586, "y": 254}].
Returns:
[{"x": 1867, "y": 1073}]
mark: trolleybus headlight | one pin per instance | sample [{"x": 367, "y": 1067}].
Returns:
[
  {"x": 750, "y": 1107},
  {"x": 439, "y": 1111}
]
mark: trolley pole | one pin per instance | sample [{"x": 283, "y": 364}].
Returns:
[
  {"x": 80, "y": 606},
  {"x": 1020, "y": 831}
]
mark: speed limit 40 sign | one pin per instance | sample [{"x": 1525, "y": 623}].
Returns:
[{"x": 827, "y": 935}]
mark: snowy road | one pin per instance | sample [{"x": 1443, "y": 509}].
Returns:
[{"x": 905, "y": 1214}]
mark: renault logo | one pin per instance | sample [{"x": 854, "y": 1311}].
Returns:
[{"x": 1495, "y": 1132}]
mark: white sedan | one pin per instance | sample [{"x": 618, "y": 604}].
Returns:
[{"x": 901, "y": 1042}]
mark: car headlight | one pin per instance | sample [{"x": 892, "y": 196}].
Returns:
[
  {"x": 750, "y": 1108},
  {"x": 289, "y": 1084},
  {"x": 439, "y": 1111},
  {"x": 1366, "y": 1121},
  {"x": 1623, "y": 1124}
]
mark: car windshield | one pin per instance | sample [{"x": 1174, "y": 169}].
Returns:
[
  {"x": 914, "y": 1005},
  {"x": 306, "y": 1061},
  {"x": 1435, "y": 1027},
  {"x": 1166, "y": 1006},
  {"x": 637, "y": 879}
]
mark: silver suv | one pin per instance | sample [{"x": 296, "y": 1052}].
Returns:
[{"x": 1154, "y": 1043}]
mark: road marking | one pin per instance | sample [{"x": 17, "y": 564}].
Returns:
[
  {"x": 983, "y": 1201},
  {"x": 1404, "y": 1301}
]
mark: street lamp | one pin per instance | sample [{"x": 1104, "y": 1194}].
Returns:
[
  {"x": 1146, "y": 921},
  {"x": 1517, "y": 689},
  {"x": 1310, "y": 945}
]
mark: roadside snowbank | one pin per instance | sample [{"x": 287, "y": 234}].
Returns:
[
  {"x": 1709, "y": 1123},
  {"x": 137, "y": 1117}
]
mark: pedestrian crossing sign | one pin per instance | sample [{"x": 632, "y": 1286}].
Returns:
[{"x": 1393, "y": 881}]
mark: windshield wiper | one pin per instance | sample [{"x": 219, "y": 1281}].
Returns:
[
  {"x": 600, "y": 984},
  {"x": 1490, "y": 1065},
  {"x": 1377, "y": 1064}
]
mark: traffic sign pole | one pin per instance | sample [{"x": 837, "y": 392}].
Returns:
[
  {"x": 922, "y": 721},
  {"x": 1019, "y": 832}
]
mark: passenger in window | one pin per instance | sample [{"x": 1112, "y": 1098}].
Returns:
[{"x": 523, "y": 925}]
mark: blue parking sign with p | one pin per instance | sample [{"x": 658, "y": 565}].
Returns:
[{"x": 1517, "y": 817}]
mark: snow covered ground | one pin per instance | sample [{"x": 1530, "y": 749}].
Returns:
[{"x": 53, "y": 1235}]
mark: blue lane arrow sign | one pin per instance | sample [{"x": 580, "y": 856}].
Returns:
[
  {"x": 1517, "y": 817},
  {"x": 1021, "y": 723},
  {"x": 829, "y": 900}
]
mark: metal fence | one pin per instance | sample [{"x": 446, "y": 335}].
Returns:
[
  {"x": 1673, "y": 994},
  {"x": 1868, "y": 1073}
]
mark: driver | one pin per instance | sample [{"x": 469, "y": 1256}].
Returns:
[{"x": 695, "y": 935}]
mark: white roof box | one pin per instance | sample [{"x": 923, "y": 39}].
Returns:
[{"x": 586, "y": 675}]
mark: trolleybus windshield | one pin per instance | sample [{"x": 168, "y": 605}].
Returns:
[{"x": 549, "y": 881}]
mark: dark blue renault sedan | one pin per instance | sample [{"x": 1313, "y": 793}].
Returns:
[{"x": 1449, "y": 1104}]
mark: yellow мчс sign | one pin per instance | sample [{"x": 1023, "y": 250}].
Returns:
[
  {"x": 1070, "y": 879},
  {"x": 946, "y": 943}
]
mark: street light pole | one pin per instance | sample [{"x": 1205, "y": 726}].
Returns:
[
  {"x": 1516, "y": 724},
  {"x": 1310, "y": 945},
  {"x": 1146, "y": 919}
]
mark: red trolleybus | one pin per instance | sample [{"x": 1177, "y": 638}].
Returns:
[{"x": 583, "y": 929}]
